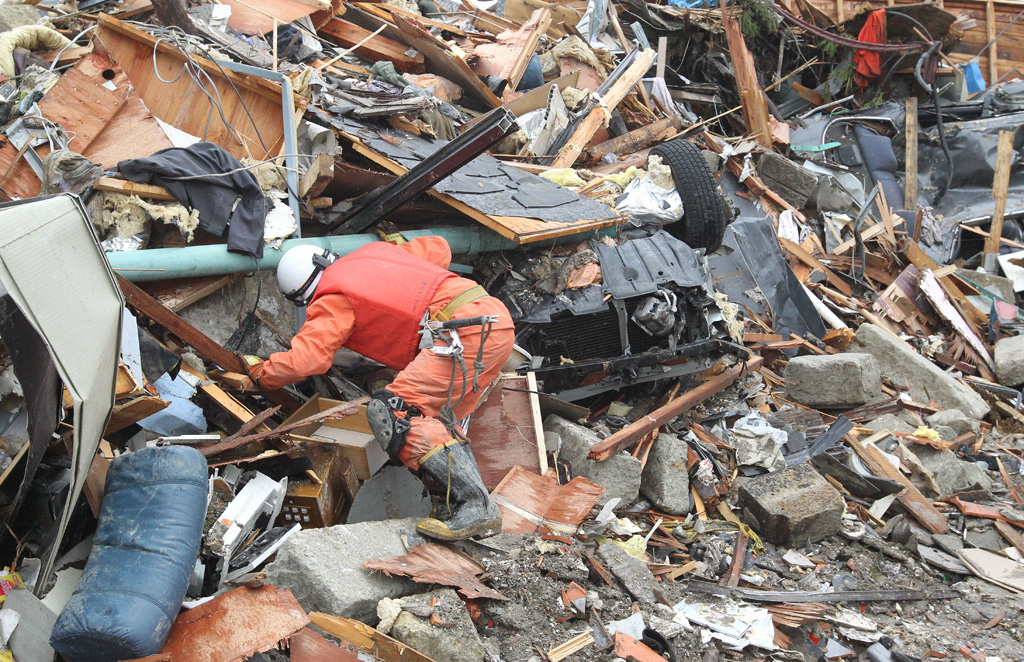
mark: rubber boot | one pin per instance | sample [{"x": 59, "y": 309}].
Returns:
[{"x": 474, "y": 513}]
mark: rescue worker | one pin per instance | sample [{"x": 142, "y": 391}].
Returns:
[{"x": 376, "y": 301}]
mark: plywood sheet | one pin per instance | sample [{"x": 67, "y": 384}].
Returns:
[
  {"x": 257, "y": 16},
  {"x": 530, "y": 503},
  {"x": 436, "y": 564},
  {"x": 184, "y": 105},
  {"x": 235, "y": 625},
  {"x": 504, "y": 432}
]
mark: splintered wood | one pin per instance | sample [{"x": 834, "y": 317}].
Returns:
[
  {"x": 235, "y": 625},
  {"x": 507, "y": 57},
  {"x": 436, "y": 564},
  {"x": 530, "y": 503}
]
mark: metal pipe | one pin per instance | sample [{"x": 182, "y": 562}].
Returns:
[{"x": 215, "y": 260}]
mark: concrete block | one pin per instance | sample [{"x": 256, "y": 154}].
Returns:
[
  {"x": 1001, "y": 287},
  {"x": 836, "y": 380},
  {"x": 456, "y": 640},
  {"x": 955, "y": 419},
  {"x": 619, "y": 474},
  {"x": 1009, "y": 358},
  {"x": 665, "y": 480},
  {"x": 899, "y": 362},
  {"x": 952, "y": 474},
  {"x": 791, "y": 507},
  {"x": 323, "y": 568},
  {"x": 391, "y": 493}
]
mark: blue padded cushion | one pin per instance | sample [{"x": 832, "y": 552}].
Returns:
[{"x": 143, "y": 553}]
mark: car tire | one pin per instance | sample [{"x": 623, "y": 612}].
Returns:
[{"x": 704, "y": 212}]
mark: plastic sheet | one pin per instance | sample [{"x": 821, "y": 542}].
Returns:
[{"x": 646, "y": 202}]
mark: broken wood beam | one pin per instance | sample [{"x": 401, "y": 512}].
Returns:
[
  {"x": 638, "y": 139},
  {"x": 636, "y": 430},
  {"x": 349, "y": 408},
  {"x": 367, "y": 639},
  {"x": 205, "y": 346},
  {"x": 372, "y": 46},
  {"x": 1000, "y": 189},
  {"x": 910, "y": 174},
  {"x": 917, "y": 504},
  {"x": 755, "y": 108},
  {"x": 601, "y": 113},
  {"x": 148, "y": 191},
  {"x": 507, "y": 57}
]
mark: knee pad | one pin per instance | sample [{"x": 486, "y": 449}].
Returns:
[{"x": 389, "y": 429}]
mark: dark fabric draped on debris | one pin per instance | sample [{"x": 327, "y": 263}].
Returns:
[{"x": 229, "y": 199}]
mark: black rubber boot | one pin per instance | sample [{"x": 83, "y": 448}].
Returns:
[{"x": 474, "y": 513}]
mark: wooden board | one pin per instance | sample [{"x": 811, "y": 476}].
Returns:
[
  {"x": 308, "y": 646},
  {"x": 442, "y": 62},
  {"x": 920, "y": 507},
  {"x": 507, "y": 57},
  {"x": 257, "y": 16},
  {"x": 755, "y": 108},
  {"x": 506, "y": 431},
  {"x": 95, "y": 103},
  {"x": 133, "y": 411},
  {"x": 235, "y": 625},
  {"x": 183, "y": 104},
  {"x": 347, "y": 34},
  {"x": 366, "y": 639},
  {"x": 530, "y": 503}
]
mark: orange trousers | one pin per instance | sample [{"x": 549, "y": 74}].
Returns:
[{"x": 424, "y": 383}]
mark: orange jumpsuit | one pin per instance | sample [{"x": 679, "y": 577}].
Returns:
[{"x": 424, "y": 383}]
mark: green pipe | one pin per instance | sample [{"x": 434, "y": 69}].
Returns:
[{"x": 215, "y": 260}]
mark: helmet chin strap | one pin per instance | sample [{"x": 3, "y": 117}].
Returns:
[{"x": 320, "y": 262}]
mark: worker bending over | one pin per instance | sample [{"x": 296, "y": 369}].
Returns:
[{"x": 449, "y": 339}]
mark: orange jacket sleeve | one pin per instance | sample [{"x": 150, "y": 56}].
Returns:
[
  {"x": 434, "y": 250},
  {"x": 329, "y": 323}
]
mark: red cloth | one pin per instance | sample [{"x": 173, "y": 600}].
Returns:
[{"x": 869, "y": 64}]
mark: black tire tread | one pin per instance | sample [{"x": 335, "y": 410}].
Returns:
[{"x": 704, "y": 216}]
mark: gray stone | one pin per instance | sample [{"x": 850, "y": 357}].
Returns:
[
  {"x": 391, "y": 493},
  {"x": 619, "y": 474},
  {"x": 900, "y": 363},
  {"x": 1001, "y": 287},
  {"x": 323, "y": 568},
  {"x": 890, "y": 422},
  {"x": 665, "y": 480},
  {"x": 631, "y": 571},
  {"x": 956, "y": 419},
  {"x": 945, "y": 432},
  {"x": 456, "y": 640},
  {"x": 218, "y": 314},
  {"x": 791, "y": 507},
  {"x": 986, "y": 538},
  {"x": 834, "y": 380},
  {"x": 952, "y": 474},
  {"x": 1009, "y": 358},
  {"x": 13, "y": 16}
]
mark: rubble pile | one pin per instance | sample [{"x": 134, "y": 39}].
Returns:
[{"x": 741, "y": 378}]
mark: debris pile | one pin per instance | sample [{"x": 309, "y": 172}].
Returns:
[{"x": 637, "y": 331}]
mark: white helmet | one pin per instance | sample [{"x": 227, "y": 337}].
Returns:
[{"x": 299, "y": 272}]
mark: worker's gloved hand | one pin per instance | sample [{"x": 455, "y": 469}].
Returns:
[{"x": 253, "y": 369}]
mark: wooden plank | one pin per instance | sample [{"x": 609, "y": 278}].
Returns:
[
  {"x": 368, "y": 640},
  {"x": 148, "y": 191},
  {"x": 920, "y": 508},
  {"x": 317, "y": 176},
  {"x": 507, "y": 57},
  {"x": 347, "y": 34},
  {"x": 441, "y": 61},
  {"x": 133, "y": 411},
  {"x": 638, "y": 139},
  {"x": 504, "y": 431},
  {"x": 1000, "y": 188},
  {"x": 388, "y": 11},
  {"x": 1011, "y": 534},
  {"x": 256, "y": 17},
  {"x": 309, "y": 646},
  {"x": 797, "y": 251},
  {"x": 910, "y": 176},
  {"x": 662, "y": 415},
  {"x": 755, "y": 108},
  {"x": 662, "y": 56},
  {"x": 181, "y": 293},
  {"x": 992, "y": 34},
  {"x": 598, "y": 117},
  {"x": 69, "y": 56}
]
